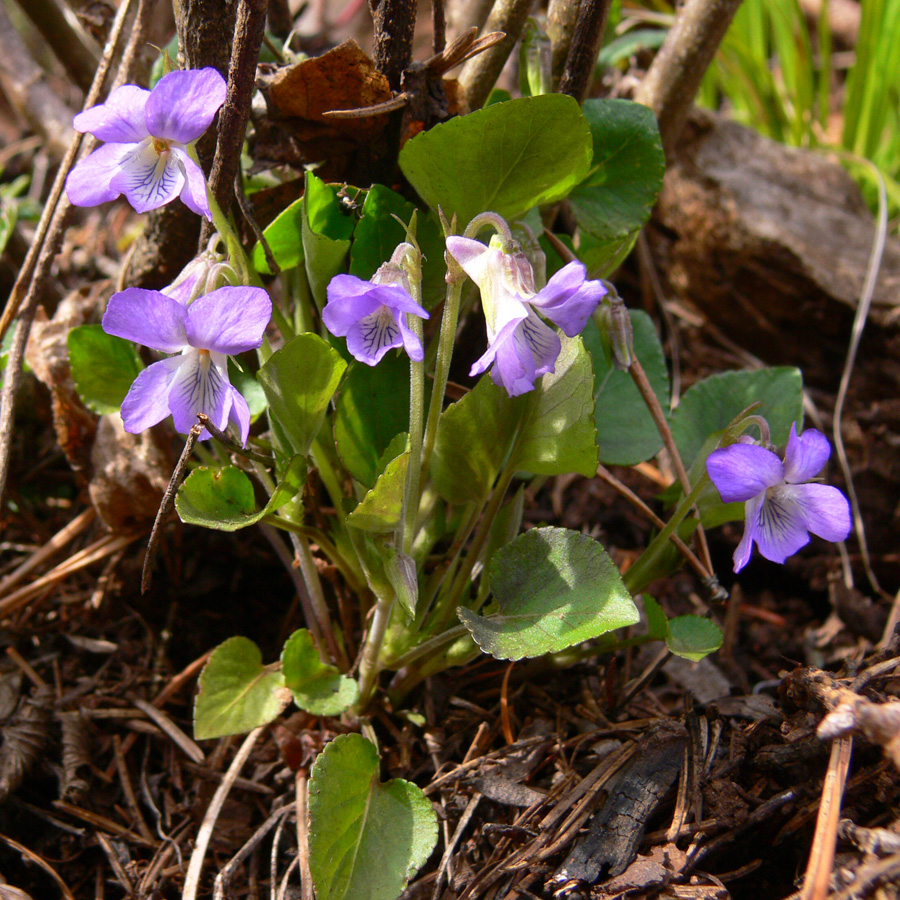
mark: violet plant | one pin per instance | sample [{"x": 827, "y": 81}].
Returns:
[{"x": 423, "y": 497}]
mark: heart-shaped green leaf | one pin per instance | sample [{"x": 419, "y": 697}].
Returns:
[
  {"x": 626, "y": 432},
  {"x": 284, "y": 235},
  {"x": 554, "y": 588},
  {"x": 693, "y": 637},
  {"x": 559, "y": 435},
  {"x": 237, "y": 693},
  {"x": 299, "y": 380},
  {"x": 103, "y": 367},
  {"x": 366, "y": 839},
  {"x": 381, "y": 508},
  {"x": 472, "y": 443},
  {"x": 223, "y": 498},
  {"x": 317, "y": 687},
  {"x": 505, "y": 158},
  {"x": 710, "y": 405},
  {"x": 371, "y": 410}
]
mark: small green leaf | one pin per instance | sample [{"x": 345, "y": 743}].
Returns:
[
  {"x": 366, "y": 839},
  {"x": 507, "y": 157},
  {"x": 103, "y": 367},
  {"x": 325, "y": 231},
  {"x": 472, "y": 443},
  {"x": 250, "y": 390},
  {"x": 381, "y": 508},
  {"x": 554, "y": 588},
  {"x": 693, "y": 637},
  {"x": 317, "y": 687},
  {"x": 559, "y": 435},
  {"x": 615, "y": 200},
  {"x": 626, "y": 432},
  {"x": 284, "y": 235},
  {"x": 223, "y": 499},
  {"x": 237, "y": 693},
  {"x": 371, "y": 410},
  {"x": 657, "y": 623},
  {"x": 711, "y": 404},
  {"x": 300, "y": 380}
]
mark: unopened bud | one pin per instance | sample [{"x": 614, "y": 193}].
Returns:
[
  {"x": 535, "y": 76},
  {"x": 614, "y": 323}
]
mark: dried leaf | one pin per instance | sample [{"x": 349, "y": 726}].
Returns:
[{"x": 25, "y": 736}]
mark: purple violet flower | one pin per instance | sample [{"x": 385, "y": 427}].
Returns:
[
  {"x": 783, "y": 506},
  {"x": 521, "y": 346},
  {"x": 371, "y": 314},
  {"x": 147, "y": 132},
  {"x": 218, "y": 325}
]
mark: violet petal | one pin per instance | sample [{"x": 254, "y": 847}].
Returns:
[
  {"x": 90, "y": 182},
  {"x": 148, "y": 179},
  {"x": 147, "y": 317},
  {"x": 779, "y": 528},
  {"x": 183, "y": 104},
  {"x": 147, "y": 401},
  {"x": 120, "y": 120},
  {"x": 744, "y": 549},
  {"x": 825, "y": 510},
  {"x": 200, "y": 385},
  {"x": 805, "y": 456},
  {"x": 372, "y": 336},
  {"x": 230, "y": 320},
  {"x": 240, "y": 414},
  {"x": 741, "y": 471},
  {"x": 193, "y": 193}
]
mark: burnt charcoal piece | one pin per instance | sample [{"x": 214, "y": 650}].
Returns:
[{"x": 616, "y": 829}]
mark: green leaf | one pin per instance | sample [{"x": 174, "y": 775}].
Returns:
[
  {"x": 317, "y": 687},
  {"x": 506, "y": 158},
  {"x": 237, "y": 693},
  {"x": 103, "y": 367},
  {"x": 559, "y": 435},
  {"x": 223, "y": 499},
  {"x": 250, "y": 389},
  {"x": 325, "y": 231},
  {"x": 473, "y": 440},
  {"x": 657, "y": 623},
  {"x": 300, "y": 380},
  {"x": 366, "y": 839},
  {"x": 626, "y": 175},
  {"x": 381, "y": 508},
  {"x": 626, "y": 432},
  {"x": 614, "y": 202},
  {"x": 693, "y": 637},
  {"x": 378, "y": 234},
  {"x": 554, "y": 588},
  {"x": 372, "y": 409},
  {"x": 284, "y": 236},
  {"x": 711, "y": 404}
]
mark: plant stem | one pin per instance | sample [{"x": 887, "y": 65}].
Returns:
[
  {"x": 317, "y": 598},
  {"x": 369, "y": 665},
  {"x": 636, "y": 577},
  {"x": 643, "y": 385},
  {"x": 441, "y": 369},
  {"x": 478, "y": 542},
  {"x": 411, "y": 498}
]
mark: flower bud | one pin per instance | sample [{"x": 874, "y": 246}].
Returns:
[
  {"x": 614, "y": 323},
  {"x": 535, "y": 76}
]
